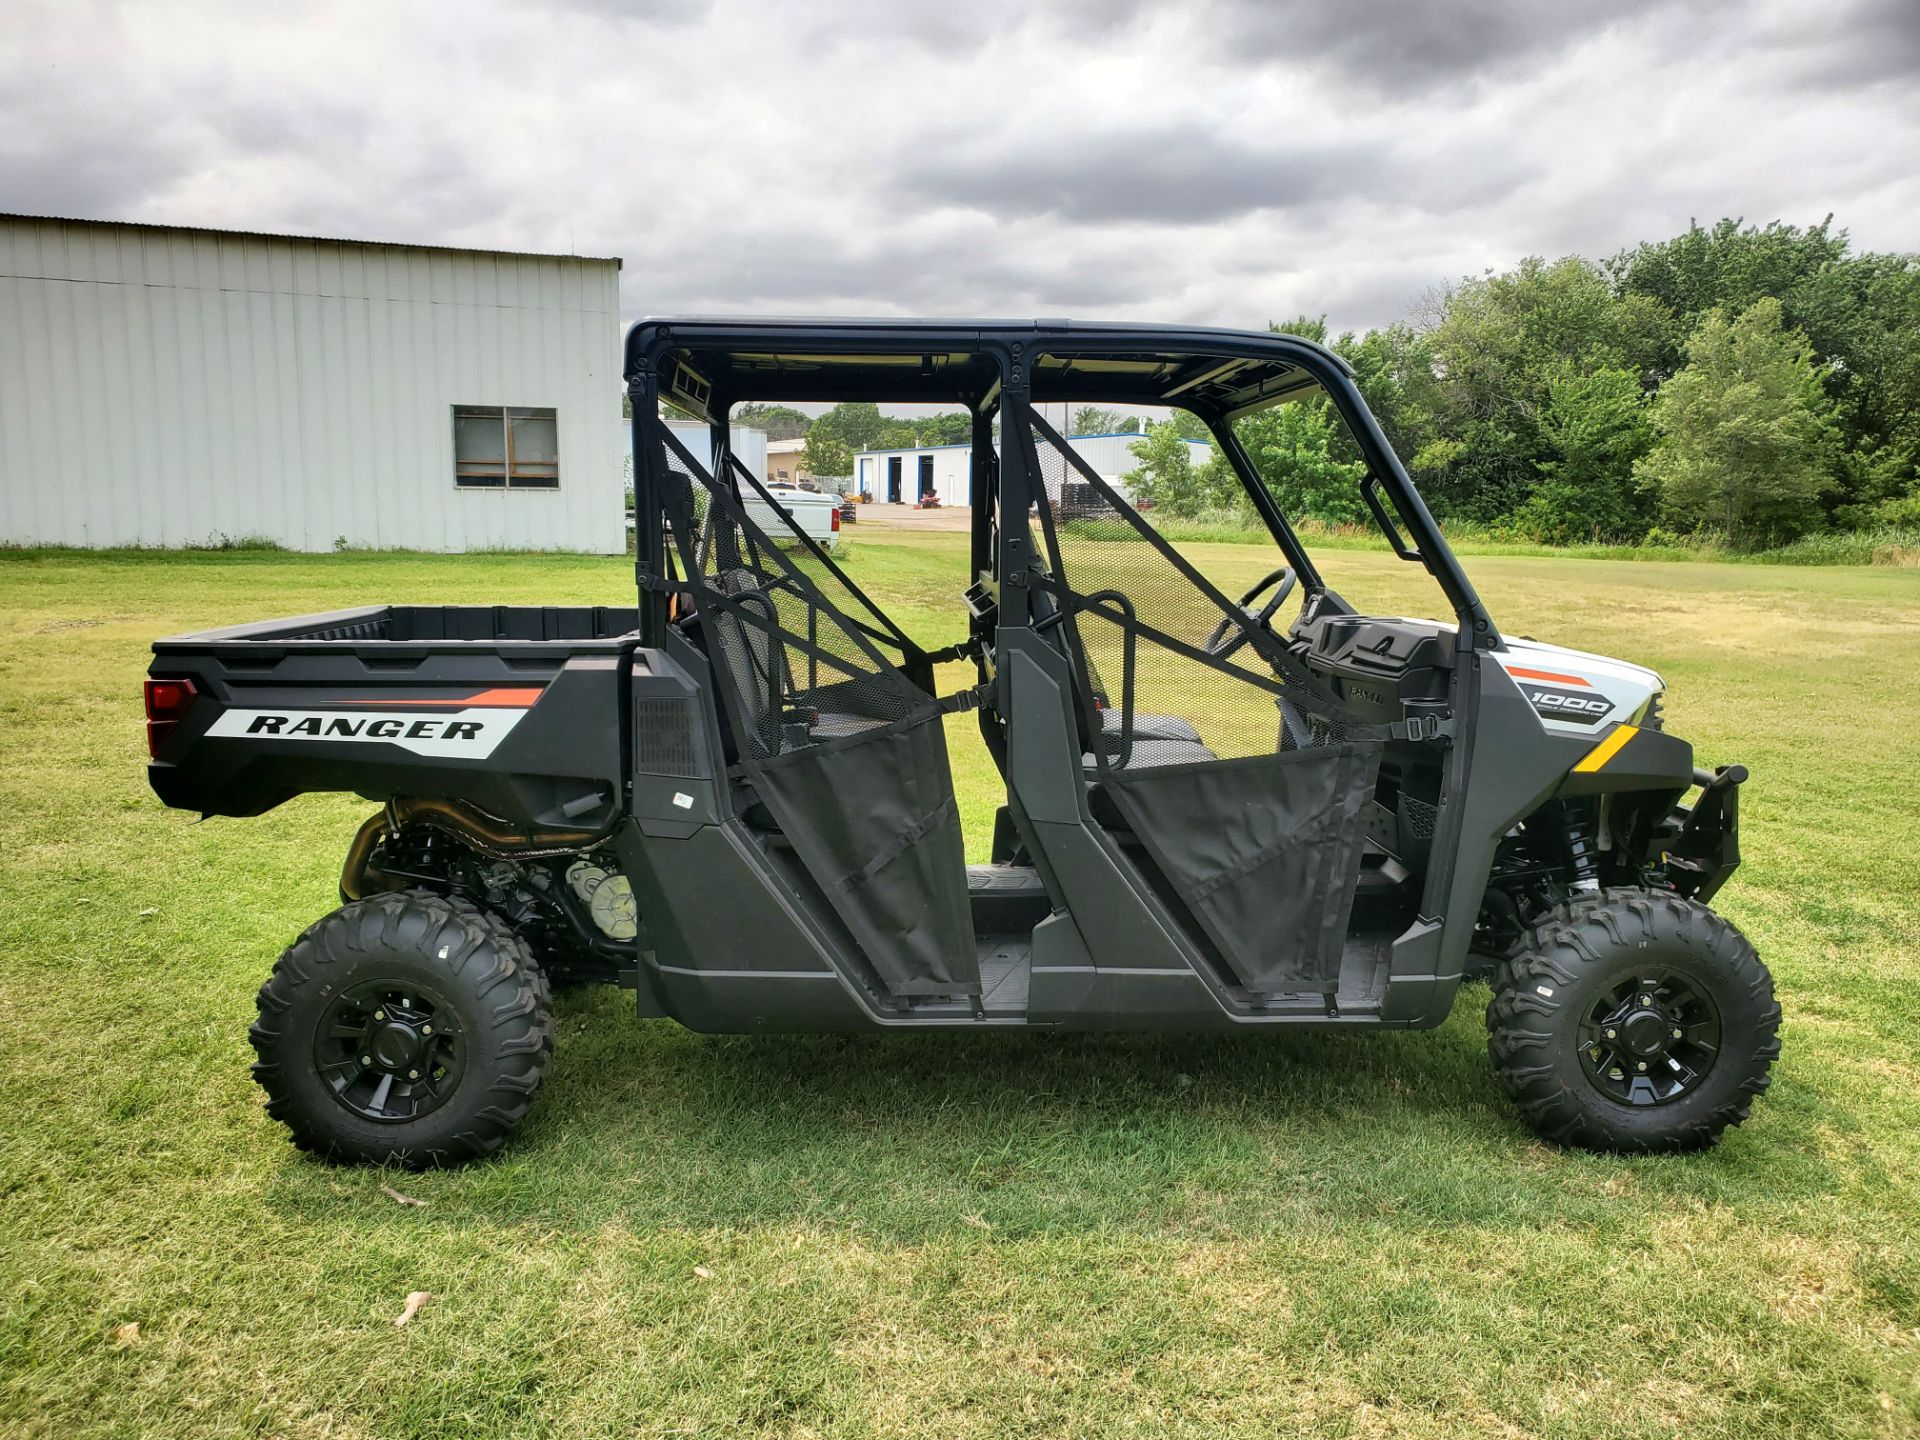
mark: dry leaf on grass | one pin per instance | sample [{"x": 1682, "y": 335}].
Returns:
[
  {"x": 394, "y": 1194},
  {"x": 703, "y": 1272},
  {"x": 127, "y": 1334},
  {"x": 412, "y": 1307}
]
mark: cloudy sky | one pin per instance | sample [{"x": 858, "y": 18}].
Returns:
[{"x": 1224, "y": 161}]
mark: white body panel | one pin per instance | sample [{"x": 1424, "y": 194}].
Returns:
[{"x": 1575, "y": 693}]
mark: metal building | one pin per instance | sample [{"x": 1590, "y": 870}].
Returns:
[
  {"x": 903, "y": 476},
  {"x": 167, "y": 386}
]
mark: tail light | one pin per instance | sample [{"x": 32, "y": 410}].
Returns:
[
  {"x": 836, "y": 519},
  {"x": 167, "y": 701}
]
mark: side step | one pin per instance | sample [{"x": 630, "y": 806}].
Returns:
[
  {"x": 1006, "y": 973},
  {"x": 1007, "y": 899}
]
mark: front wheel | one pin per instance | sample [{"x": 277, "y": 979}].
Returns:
[
  {"x": 404, "y": 1029},
  {"x": 1634, "y": 1021}
]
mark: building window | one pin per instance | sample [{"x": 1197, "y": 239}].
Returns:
[{"x": 498, "y": 447}]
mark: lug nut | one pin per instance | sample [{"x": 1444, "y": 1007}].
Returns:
[
  {"x": 415, "y": 1074},
  {"x": 1641, "y": 1066},
  {"x": 1677, "y": 1034},
  {"x": 381, "y": 1014},
  {"x": 1613, "y": 1034},
  {"x": 428, "y": 1030},
  {"x": 366, "y": 1059}
]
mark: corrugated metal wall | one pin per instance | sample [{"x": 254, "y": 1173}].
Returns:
[{"x": 171, "y": 387}]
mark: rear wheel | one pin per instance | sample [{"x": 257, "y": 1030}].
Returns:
[
  {"x": 1633, "y": 1020},
  {"x": 407, "y": 1029}
]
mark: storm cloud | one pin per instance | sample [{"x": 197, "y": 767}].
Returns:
[{"x": 1222, "y": 161}]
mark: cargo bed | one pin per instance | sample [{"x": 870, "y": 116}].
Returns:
[{"x": 513, "y": 708}]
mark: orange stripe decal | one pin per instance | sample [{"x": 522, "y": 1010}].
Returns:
[
  {"x": 498, "y": 698},
  {"x": 1550, "y": 677}
]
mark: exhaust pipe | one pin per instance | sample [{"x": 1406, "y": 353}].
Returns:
[{"x": 493, "y": 837}]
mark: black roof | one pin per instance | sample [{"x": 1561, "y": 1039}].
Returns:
[{"x": 946, "y": 361}]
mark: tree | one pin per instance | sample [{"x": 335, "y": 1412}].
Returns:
[
  {"x": 1595, "y": 427},
  {"x": 857, "y": 424},
  {"x": 1491, "y": 351},
  {"x": 1186, "y": 424},
  {"x": 1746, "y": 440},
  {"x": 1292, "y": 448},
  {"x": 1096, "y": 420},
  {"x": 776, "y": 422},
  {"x": 949, "y": 427},
  {"x": 826, "y": 455},
  {"x": 1169, "y": 480},
  {"x": 1394, "y": 372},
  {"x": 1728, "y": 267},
  {"x": 1307, "y": 327}
]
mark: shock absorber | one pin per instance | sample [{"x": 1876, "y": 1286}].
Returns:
[{"x": 1582, "y": 851}]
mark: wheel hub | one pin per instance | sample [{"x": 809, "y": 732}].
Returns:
[
  {"x": 1650, "y": 1039},
  {"x": 1645, "y": 1032},
  {"x": 394, "y": 1046},
  {"x": 389, "y": 1051}
]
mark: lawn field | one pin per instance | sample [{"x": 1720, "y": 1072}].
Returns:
[{"x": 940, "y": 1235}]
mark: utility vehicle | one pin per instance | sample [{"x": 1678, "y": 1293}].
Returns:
[{"x": 1221, "y": 811}]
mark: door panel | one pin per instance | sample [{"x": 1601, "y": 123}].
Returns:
[
  {"x": 842, "y": 747},
  {"x": 1229, "y": 775}
]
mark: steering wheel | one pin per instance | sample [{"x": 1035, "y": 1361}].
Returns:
[{"x": 1227, "y": 637}]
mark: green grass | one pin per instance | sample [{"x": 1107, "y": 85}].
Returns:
[
  {"x": 947, "y": 1235},
  {"x": 1892, "y": 545}
]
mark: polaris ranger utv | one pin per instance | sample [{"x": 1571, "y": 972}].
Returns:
[{"x": 734, "y": 798}]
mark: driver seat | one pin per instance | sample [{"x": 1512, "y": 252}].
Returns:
[{"x": 1157, "y": 739}]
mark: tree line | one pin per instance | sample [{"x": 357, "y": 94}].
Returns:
[{"x": 1752, "y": 383}]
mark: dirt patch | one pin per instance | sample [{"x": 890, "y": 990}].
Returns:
[{"x": 905, "y": 517}]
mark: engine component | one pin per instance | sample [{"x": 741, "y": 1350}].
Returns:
[{"x": 608, "y": 898}]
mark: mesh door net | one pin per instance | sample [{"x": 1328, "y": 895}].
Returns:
[
  {"x": 1243, "y": 777},
  {"x": 846, "y": 751}
]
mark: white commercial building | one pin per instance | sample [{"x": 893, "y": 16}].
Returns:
[
  {"x": 901, "y": 477},
  {"x": 166, "y": 386}
]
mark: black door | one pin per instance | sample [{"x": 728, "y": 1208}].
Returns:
[
  {"x": 926, "y": 476},
  {"x": 829, "y": 731},
  {"x": 1228, "y": 775},
  {"x": 893, "y": 479}
]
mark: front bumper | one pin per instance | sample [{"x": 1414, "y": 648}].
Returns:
[{"x": 1701, "y": 847}]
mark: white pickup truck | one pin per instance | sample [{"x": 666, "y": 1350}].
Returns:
[{"x": 817, "y": 515}]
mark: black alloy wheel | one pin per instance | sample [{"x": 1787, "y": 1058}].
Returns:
[
  {"x": 408, "y": 1028},
  {"x": 1650, "y": 1039},
  {"x": 390, "y": 1051},
  {"x": 1633, "y": 1020}
]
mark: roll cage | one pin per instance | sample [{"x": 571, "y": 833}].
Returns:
[{"x": 1001, "y": 370}]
